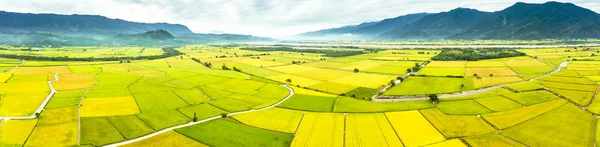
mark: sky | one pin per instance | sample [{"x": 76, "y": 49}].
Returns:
[{"x": 268, "y": 18}]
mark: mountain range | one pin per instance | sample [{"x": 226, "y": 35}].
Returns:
[
  {"x": 521, "y": 21},
  {"x": 55, "y": 29}
]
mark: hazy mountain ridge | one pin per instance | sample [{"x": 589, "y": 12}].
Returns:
[
  {"x": 550, "y": 20},
  {"x": 56, "y": 29}
]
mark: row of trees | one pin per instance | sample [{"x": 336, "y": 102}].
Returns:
[
  {"x": 476, "y": 54},
  {"x": 325, "y": 52},
  {"x": 167, "y": 52}
]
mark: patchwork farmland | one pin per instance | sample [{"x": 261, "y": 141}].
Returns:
[{"x": 246, "y": 95}]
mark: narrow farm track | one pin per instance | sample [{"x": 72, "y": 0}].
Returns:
[
  {"x": 22, "y": 62},
  {"x": 40, "y": 108},
  {"x": 199, "y": 122},
  {"x": 466, "y": 93}
]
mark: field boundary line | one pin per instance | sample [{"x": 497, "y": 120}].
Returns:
[
  {"x": 593, "y": 98},
  {"x": 389, "y": 122},
  {"x": 198, "y": 122}
]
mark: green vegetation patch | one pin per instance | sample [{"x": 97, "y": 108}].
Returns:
[
  {"x": 98, "y": 131},
  {"x": 426, "y": 85},
  {"x": 362, "y": 93},
  {"x": 510, "y": 118},
  {"x": 346, "y": 104},
  {"x": 201, "y": 111},
  {"x": 498, "y": 103},
  {"x": 570, "y": 126},
  {"x": 192, "y": 96},
  {"x": 130, "y": 126},
  {"x": 492, "y": 140},
  {"x": 462, "y": 107},
  {"x": 476, "y": 54},
  {"x": 526, "y": 86},
  {"x": 163, "y": 119},
  {"x": 222, "y": 132},
  {"x": 159, "y": 101},
  {"x": 532, "y": 97},
  {"x": 579, "y": 97},
  {"x": 309, "y": 103}
]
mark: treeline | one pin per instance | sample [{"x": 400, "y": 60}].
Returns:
[
  {"x": 476, "y": 54},
  {"x": 325, "y": 52},
  {"x": 167, "y": 52}
]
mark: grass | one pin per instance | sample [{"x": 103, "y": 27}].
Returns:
[
  {"x": 462, "y": 107},
  {"x": 130, "y": 126},
  {"x": 309, "y": 103},
  {"x": 426, "y": 85},
  {"x": 95, "y": 107},
  {"x": 413, "y": 128},
  {"x": 577, "y": 130},
  {"x": 277, "y": 119},
  {"x": 16, "y": 132},
  {"x": 98, "y": 131},
  {"x": 526, "y": 86},
  {"x": 201, "y": 111},
  {"x": 532, "y": 97},
  {"x": 346, "y": 104},
  {"x": 222, "y": 132},
  {"x": 364, "y": 129},
  {"x": 320, "y": 129},
  {"x": 170, "y": 138},
  {"x": 159, "y": 101},
  {"x": 510, "y": 118},
  {"x": 456, "y": 125},
  {"x": 498, "y": 103},
  {"x": 362, "y": 93},
  {"x": 491, "y": 140},
  {"x": 163, "y": 119}
]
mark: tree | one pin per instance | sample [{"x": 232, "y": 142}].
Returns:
[
  {"x": 225, "y": 67},
  {"x": 356, "y": 70},
  {"x": 288, "y": 80},
  {"x": 408, "y": 70},
  {"x": 223, "y": 115},
  {"x": 180, "y": 57},
  {"x": 195, "y": 118},
  {"x": 400, "y": 78},
  {"x": 491, "y": 75},
  {"x": 474, "y": 75},
  {"x": 434, "y": 98}
]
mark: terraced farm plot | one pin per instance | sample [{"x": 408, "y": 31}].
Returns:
[
  {"x": 533, "y": 97},
  {"x": 346, "y": 104},
  {"x": 163, "y": 119},
  {"x": 456, "y": 125},
  {"x": 98, "y": 131},
  {"x": 95, "y": 107},
  {"x": 201, "y": 111},
  {"x": 370, "y": 130},
  {"x": 513, "y": 117},
  {"x": 130, "y": 126},
  {"x": 16, "y": 132},
  {"x": 170, "y": 138},
  {"x": 159, "y": 101},
  {"x": 309, "y": 103},
  {"x": 489, "y": 81},
  {"x": 489, "y": 72},
  {"x": 498, "y": 103},
  {"x": 364, "y": 80},
  {"x": 579, "y": 97},
  {"x": 413, "y": 129},
  {"x": 462, "y": 107},
  {"x": 277, "y": 119},
  {"x": 571, "y": 80},
  {"x": 526, "y": 86},
  {"x": 568, "y": 86},
  {"x": 578, "y": 130},
  {"x": 320, "y": 129},
  {"x": 222, "y": 132},
  {"x": 491, "y": 140},
  {"x": 438, "y": 71},
  {"x": 426, "y": 85}
]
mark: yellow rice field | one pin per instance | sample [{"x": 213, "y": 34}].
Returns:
[
  {"x": 370, "y": 130},
  {"x": 320, "y": 129},
  {"x": 96, "y": 107},
  {"x": 413, "y": 128},
  {"x": 277, "y": 119}
]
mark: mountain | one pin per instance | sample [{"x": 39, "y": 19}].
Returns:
[
  {"x": 551, "y": 20},
  {"x": 369, "y": 28},
  {"x": 79, "y": 25},
  {"x": 150, "y": 35},
  {"x": 438, "y": 26}
]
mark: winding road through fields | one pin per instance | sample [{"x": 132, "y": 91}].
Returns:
[
  {"x": 199, "y": 122},
  {"x": 465, "y": 93},
  {"x": 40, "y": 108}
]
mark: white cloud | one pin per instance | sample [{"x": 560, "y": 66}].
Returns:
[{"x": 274, "y": 18}]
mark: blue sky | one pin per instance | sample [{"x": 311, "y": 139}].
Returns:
[{"x": 271, "y": 18}]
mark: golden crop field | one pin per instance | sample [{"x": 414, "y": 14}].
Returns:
[
  {"x": 370, "y": 130},
  {"x": 413, "y": 128},
  {"x": 320, "y": 129},
  {"x": 94, "y": 107},
  {"x": 277, "y": 119}
]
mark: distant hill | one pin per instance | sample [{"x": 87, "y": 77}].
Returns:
[
  {"x": 439, "y": 26},
  {"x": 370, "y": 28},
  {"x": 54, "y": 29},
  {"x": 551, "y": 20}
]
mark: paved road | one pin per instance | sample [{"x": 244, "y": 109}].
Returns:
[
  {"x": 198, "y": 122},
  {"x": 472, "y": 92}
]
